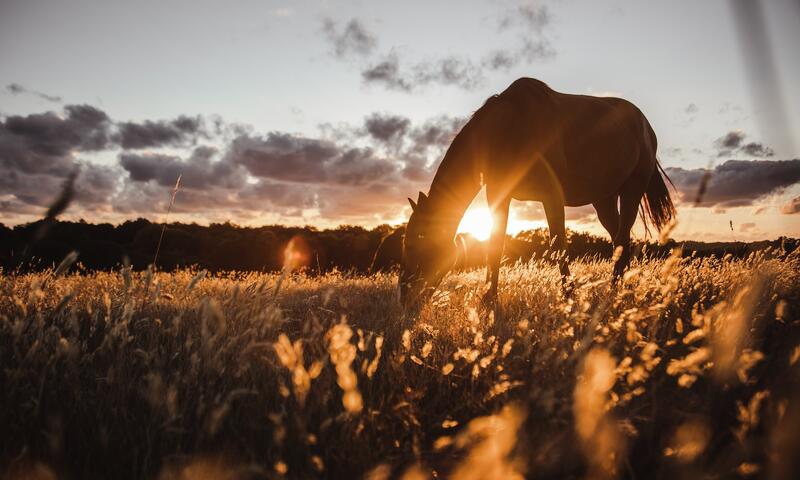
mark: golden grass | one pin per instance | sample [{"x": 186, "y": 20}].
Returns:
[{"x": 687, "y": 368}]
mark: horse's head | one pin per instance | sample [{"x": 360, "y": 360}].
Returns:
[{"x": 429, "y": 252}]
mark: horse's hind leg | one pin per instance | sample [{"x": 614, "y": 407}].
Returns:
[
  {"x": 608, "y": 214},
  {"x": 629, "y": 200}
]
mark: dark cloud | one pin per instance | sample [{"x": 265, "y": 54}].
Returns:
[
  {"x": 95, "y": 185},
  {"x": 363, "y": 171},
  {"x": 386, "y": 128},
  {"x": 733, "y": 143},
  {"x": 792, "y": 207},
  {"x": 446, "y": 71},
  {"x": 436, "y": 132},
  {"x": 736, "y": 182},
  {"x": 181, "y": 131},
  {"x": 38, "y": 151},
  {"x": 352, "y": 39},
  {"x": 30, "y": 193},
  {"x": 387, "y": 73},
  {"x": 730, "y": 141},
  {"x": 280, "y": 194},
  {"x": 17, "y": 89},
  {"x": 755, "y": 149},
  {"x": 429, "y": 140},
  {"x": 286, "y": 157},
  {"x": 208, "y": 186},
  {"x": 46, "y": 142},
  {"x": 450, "y": 71},
  {"x": 198, "y": 171},
  {"x": 24, "y": 191},
  {"x": 531, "y": 45}
]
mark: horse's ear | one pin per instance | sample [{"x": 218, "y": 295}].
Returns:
[
  {"x": 413, "y": 205},
  {"x": 421, "y": 198}
]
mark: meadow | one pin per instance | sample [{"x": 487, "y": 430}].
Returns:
[{"x": 688, "y": 368}]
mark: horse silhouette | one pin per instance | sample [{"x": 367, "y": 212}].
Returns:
[
  {"x": 389, "y": 251},
  {"x": 532, "y": 143}
]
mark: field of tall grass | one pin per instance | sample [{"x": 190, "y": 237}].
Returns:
[{"x": 688, "y": 368}]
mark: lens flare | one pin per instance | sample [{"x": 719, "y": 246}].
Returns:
[
  {"x": 296, "y": 254},
  {"x": 477, "y": 222}
]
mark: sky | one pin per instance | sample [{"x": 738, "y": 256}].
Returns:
[{"x": 325, "y": 112}]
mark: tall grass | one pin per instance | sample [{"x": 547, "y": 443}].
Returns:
[{"x": 687, "y": 368}]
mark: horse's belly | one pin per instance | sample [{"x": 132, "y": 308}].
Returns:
[{"x": 580, "y": 181}]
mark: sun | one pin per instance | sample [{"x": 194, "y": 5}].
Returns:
[{"x": 477, "y": 222}]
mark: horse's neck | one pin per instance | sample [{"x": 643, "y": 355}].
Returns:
[{"x": 454, "y": 186}]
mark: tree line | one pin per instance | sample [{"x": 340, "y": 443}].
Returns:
[{"x": 228, "y": 247}]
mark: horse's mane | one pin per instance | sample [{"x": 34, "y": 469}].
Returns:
[{"x": 485, "y": 106}]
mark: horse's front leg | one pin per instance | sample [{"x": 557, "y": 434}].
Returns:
[
  {"x": 499, "y": 209},
  {"x": 554, "y": 210}
]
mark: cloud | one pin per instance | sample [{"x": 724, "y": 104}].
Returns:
[
  {"x": 210, "y": 184},
  {"x": 286, "y": 157},
  {"x": 46, "y": 142},
  {"x": 436, "y": 132},
  {"x": 429, "y": 140},
  {"x": 280, "y": 194},
  {"x": 386, "y": 128},
  {"x": 499, "y": 60},
  {"x": 579, "y": 213},
  {"x": 528, "y": 23},
  {"x": 29, "y": 193},
  {"x": 360, "y": 173},
  {"x": 747, "y": 227},
  {"x": 181, "y": 131},
  {"x": 17, "y": 89},
  {"x": 387, "y": 72},
  {"x": 448, "y": 71},
  {"x": 735, "y": 182},
  {"x": 691, "y": 109},
  {"x": 352, "y": 40},
  {"x": 197, "y": 171},
  {"x": 729, "y": 141},
  {"x": 755, "y": 149},
  {"x": 533, "y": 50},
  {"x": 792, "y": 207},
  {"x": 733, "y": 142},
  {"x": 527, "y": 16}
]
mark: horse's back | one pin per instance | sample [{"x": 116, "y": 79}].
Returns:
[{"x": 593, "y": 143}]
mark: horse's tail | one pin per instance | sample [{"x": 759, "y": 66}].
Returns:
[{"x": 657, "y": 206}]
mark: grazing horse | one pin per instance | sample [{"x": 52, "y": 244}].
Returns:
[
  {"x": 532, "y": 143},
  {"x": 389, "y": 251}
]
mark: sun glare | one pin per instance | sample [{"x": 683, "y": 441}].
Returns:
[{"x": 477, "y": 222}]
